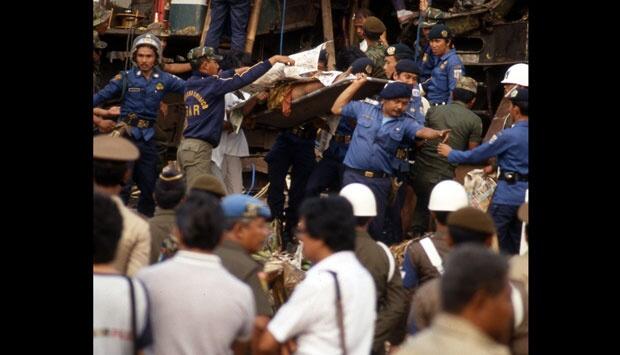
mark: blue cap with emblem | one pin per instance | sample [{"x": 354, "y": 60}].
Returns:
[
  {"x": 407, "y": 66},
  {"x": 396, "y": 90},
  {"x": 400, "y": 50},
  {"x": 362, "y": 65},
  {"x": 518, "y": 95},
  {"x": 244, "y": 206}
]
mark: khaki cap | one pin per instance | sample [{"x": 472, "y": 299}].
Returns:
[
  {"x": 114, "y": 148},
  {"x": 209, "y": 183},
  {"x": 374, "y": 25},
  {"x": 473, "y": 219},
  {"x": 467, "y": 83}
]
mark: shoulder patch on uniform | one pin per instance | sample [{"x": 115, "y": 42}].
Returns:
[
  {"x": 457, "y": 73},
  {"x": 371, "y": 101}
]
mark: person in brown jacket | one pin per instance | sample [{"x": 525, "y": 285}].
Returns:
[
  {"x": 423, "y": 259},
  {"x": 111, "y": 158},
  {"x": 470, "y": 226},
  {"x": 477, "y": 312},
  {"x": 392, "y": 298},
  {"x": 169, "y": 192}
]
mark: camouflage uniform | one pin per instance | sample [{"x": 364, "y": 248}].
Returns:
[{"x": 376, "y": 53}]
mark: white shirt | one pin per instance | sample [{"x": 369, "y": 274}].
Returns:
[
  {"x": 112, "y": 328},
  {"x": 197, "y": 307},
  {"x": 310, "y": 313},
  {"x": 233, "y": 144}
]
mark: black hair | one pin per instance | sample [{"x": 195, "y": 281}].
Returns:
[
  {"x": 135, "y": 53},
  {"x": 107, "y": 229},
  {"x": 109, "y": 173},
  {"x": 168, "y": 194},
  {"x": 199, "y": 220},
  {"x": 197, "y": 63},
  {"x": 461, "y": 235},
  {"x": 462, "y": 95},
  {"x": 331, "y": 220},
  {"x": 442, "y": 216},
  {"x": 373, "y": 36},
  {"x": 347, "y": 56},
  {"x": 469, "y": 269},
  {"x": 522, "y": 105},
  {"x": 362, "y": 221}
]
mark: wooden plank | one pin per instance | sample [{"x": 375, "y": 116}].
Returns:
[
  {"x": 314, "y": 104},
  {"x": 251, "y": 35},
  {"x": 328, "y": 33},
  {"x": 205, "y": 27}
]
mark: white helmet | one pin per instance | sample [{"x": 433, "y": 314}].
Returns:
[
  {"x": 517, "y": 74},
  {"x": 448, "y": 195},
  {"x": 362, "y": 198},
  {"x": 150, "y": 39}
]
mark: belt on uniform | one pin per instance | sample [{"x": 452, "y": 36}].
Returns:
[
  {"x": 342, "y": 138},
  {"x": 437, "y": 103},
  {"x": 512, "y": 177},
  {"x": 370, "y": 173},
  {"x": 303, "y": 133},
  {"x": 133, "y": 120}
]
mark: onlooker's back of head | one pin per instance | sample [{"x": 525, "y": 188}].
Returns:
[
  {"x": 169, "y": 189},
  {"x": 107, "y": 229},
  {"x": 475, "y": 286},
  {"x": 200, "y": 221},
  {"x": 331, "y": 220}
]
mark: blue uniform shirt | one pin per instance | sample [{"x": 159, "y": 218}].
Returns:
[
  {"x": 444, "y": 77},
  {"x": 414, "y": 110},
  {"x": 511, "y": 148},
  {"x": 338, "y": 150},
  {"x": 204, "y": 100},
  {"x": 142, "y": 95},
  {"x": 427, "y": 63},
  {"x": 374, "y": 144}
]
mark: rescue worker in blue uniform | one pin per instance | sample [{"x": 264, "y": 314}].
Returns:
[
  {"x": 204, "y": 106},
  {"x": 380, "y": 129},
  {"x": 142, "y": 89},
  {"x": 406, "y": 71},
  {"x": 237, "y": 13},
  {"x": 329, "y": 170},
  {"x": 448, "y": 68},
  {"x": 426, "y": 61},
  {"x": 510, "y": 146},
  {"x": 394, "y": 54}
]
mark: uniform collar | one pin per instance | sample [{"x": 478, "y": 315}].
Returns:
[
  {"x": 229, "y": 244},
  {"x": 195, "y": 258},
  {"x": 524, "y": 123},
  {"x": 163, "y": 212},
  {"x": 451, "y": 52},
  {"x": 461, "y": 328}
]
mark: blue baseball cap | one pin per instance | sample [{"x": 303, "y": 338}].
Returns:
[{"x": 244, "y": 206}]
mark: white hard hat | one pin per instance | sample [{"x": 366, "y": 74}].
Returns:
[
  {"x": 448, "y": 195},
  {"x": 151, "y": 40},
  {"x": 517, "y": 74},
  {"x": 362, "y": 198}
]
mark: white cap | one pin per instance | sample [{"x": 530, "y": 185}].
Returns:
[
  {"x": 517, "y": 74},
  {"x": 448, "y": 195},
  {"x": 362, "y": 198}
]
